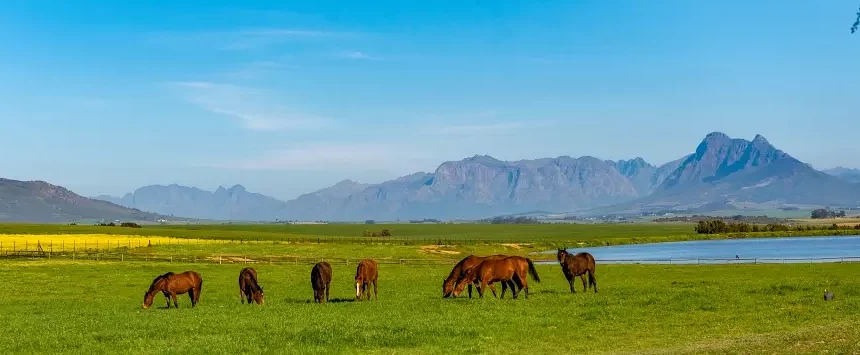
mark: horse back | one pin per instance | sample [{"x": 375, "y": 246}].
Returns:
[
  {"x": 496, "y": 269},
  {"x": 320, "y": 275},
  {"x": 366, "y": 271}
]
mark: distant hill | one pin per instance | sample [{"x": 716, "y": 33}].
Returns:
[
  {"x": 721, "y": 174},
  {"x": 234, "y": 203},
  {"x": 41, "y": 202},
  {"x": 847, "y": 174}
]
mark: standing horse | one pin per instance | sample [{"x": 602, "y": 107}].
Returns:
[
  {"x": 461, "y": 269},
  {"x": 320, "y": 280},
  {"x": 577, "y": 265},
  {"x": 524, "y": 266},
  {"x": 171, "y": 284},
  {"x": 365, "y": 274},
  {"x": 508, "y": 270},
  {"x": 248, "y": 287}
]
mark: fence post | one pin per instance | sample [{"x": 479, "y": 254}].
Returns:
[
  {"x": 121, "y": 257},
  {"x": 219, "y": 259}
]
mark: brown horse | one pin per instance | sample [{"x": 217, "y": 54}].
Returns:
[
  {"x": 577, "y": 265},
  {"x": 248, "y": 287},
  {"x": 461, "y": 269},
  {"x": 514, "y": 269},
  {"x": 365, "y": 274},
  {"x": 320, "y": 280},
  {"x": 171, "y": 284}
]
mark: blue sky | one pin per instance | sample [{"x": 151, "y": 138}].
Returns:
[{"x": 286, "y": 97}]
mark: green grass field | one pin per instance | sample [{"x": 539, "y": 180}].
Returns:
[
  {"x": 498, "y": 232},
  {"x": 94, "y": 307},
  {"x": 409, "y": 241}
]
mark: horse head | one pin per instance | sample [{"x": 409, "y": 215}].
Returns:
[
  {"x": 258, "y": 296},
  {"x": 448, "y": 287},
  {"x": 562, "y": 252}
]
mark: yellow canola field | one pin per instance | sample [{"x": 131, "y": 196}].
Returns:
[{"x": 86, "y": 242}]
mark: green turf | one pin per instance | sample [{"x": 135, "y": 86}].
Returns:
[{"x": 94, "y": 307}]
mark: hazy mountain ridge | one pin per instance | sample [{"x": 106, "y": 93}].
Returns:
[
  {"x": 234, "y": 203},
  {"x": 722, "y": 171},
  {"x": 847, "y": 174},
  {"x": 41, "y": 202}
]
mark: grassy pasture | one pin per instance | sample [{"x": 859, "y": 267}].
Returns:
[
  {"x": 493, "y": 232},
  {"x": 94, "y": 307}
]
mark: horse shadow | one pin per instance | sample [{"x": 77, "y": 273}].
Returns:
[{"x": 331, "y": 300}]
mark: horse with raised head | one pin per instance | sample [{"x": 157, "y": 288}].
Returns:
[
  {"x": 577, "y": 265},
  {"x": 461, "y": 269},
  {"x": 509, "y": 271},
  {"x": 249, "y": 288},
  {"x": 171, "y": 284},
  {"x": 320, "y": 280},
  {"x": 365, "y": 274}
]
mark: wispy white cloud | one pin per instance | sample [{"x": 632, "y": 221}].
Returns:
[
  {"x": 329, "y": 156},
  {"x": 357, "y": 55},
  {"x": 242, "y": 39},
  {"x": 254, "y": 108}
]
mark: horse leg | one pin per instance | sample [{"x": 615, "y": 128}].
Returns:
[
  {"x": 524, "y": 285},
  {"x": 167, "y": 297},
  {"x": 492, "y": 288},
  {"x": 484, "y": 288},
  {"x": 505, "y": 288},
  {"x": 191, "y": 296},
  {"x": 326, "y": 291},
  {"x": 470, "y": 290},
  {"x": 593, "y": 280},
  {"x": 570, "y": 282},
  {"x": 173, "y": 296},
  {"x": 375, "y": 290},
  {"x": 584, "y": 287}
]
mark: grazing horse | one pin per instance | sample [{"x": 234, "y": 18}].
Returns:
[
  {"x": 508, "y": 270},
  {"x": 365, "y": 274},
  {"x": 171, "y": 284},
  {"x": 577, "y": 265},
  {"x": 320, "y": 280},
  {"x": 461, "y": 269},
  {"x": 248, "y": 287}
]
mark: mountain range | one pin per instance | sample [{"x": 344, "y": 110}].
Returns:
[
  {"x": 721, "y": 173},
  {"x": 41, "y": 202},
  {"x": 852, "y": 175}
]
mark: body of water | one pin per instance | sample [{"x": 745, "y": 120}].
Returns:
[{"x": 757, "y": 250}]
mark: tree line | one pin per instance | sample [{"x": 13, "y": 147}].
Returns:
[
  {"x": 823, "y": 213},
  {"x": 718, "y": 226}
]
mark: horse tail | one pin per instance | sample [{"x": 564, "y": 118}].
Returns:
[{"x": 532, "y": 270}]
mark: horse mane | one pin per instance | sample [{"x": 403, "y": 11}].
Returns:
[
  {"x": 256, "y": 283},
  {"x": 159, "y": 277}
]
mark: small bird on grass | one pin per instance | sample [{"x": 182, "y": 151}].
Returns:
[{"x": 828, "y": 295}]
